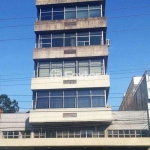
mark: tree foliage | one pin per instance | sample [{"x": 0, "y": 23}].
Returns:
[{"x": 7, "y": 105}]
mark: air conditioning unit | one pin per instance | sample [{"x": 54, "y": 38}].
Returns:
[{"x": 108, "y": 42}]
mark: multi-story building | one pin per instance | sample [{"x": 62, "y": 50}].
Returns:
[
  {"x": 71, "y": 87},
  {"x": 137, "y": 96}
]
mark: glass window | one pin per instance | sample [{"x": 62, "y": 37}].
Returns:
[
  {"x": 70, "y": 12},
  {"x": 70, "y": 39},
  {"x": 45, "y": 41},
  {"x": 42, "y": 94},
  {"x": 57, "y": 40},
  {"x": 58, "y": 13},
  {"x": 42, "y": 103},
  {"x": 95, "y": 40},
  {"x": 44, "y": 69},
  {"x": 69, "y": 68},
  {"x": 83, "y": 68},
  {"x": 56, "y": 100},
  {"x": 98, "y": 101},
  {"x": 69, "y": 99},
  {"x": 84, "y": 102},
  {"x": 97, "y": 92},
  {"x": 89, "y": 133},
  {"x": 84, "y": 99},
  {"x": 94, "y": 11},
  {"x": 46, "y": 14},
  {"x": 96, "y": 67},
  {"x": 56, "y": 69},
  {"x": 83, "y": 39},
  {"x": 82, "y": 12},
  {"x": 83, "y": 133}
]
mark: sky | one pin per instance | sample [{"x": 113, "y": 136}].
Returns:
[{"x": 129, "y": 52}]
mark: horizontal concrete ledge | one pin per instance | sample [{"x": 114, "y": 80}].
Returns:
[
  {"x": 141, "y": 142},
  {"x": 99, "y": 81},
  {"x": 97, "y": 22},
  {"x": 68, "y": 52},
  {"x": 45, "y": 2}
]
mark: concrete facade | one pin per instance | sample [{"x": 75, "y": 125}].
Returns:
[
  {"x": 46, "y": 2},
  {"x": 70, "y": 24},
  {"x": 72, "y": 82},
  {"x": 71, "y": 112},
  {"x": 70, "y": 52}
]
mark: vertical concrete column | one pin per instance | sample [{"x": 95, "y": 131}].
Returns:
[
  {"x": 106, "y": 133},
  {"x": 20, "y": 135},
  {"x": 1, "y": 134},
  {"x": 32, "y": 134}
]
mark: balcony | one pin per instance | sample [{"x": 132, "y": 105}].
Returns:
[
  {"x": 68, "y": 52},
  {"x": 47, "y": 83},
  {"x": 46, "y": 2},
  {"x": 83, "y": 23}
]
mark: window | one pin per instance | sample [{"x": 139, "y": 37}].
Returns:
[
  {"x": 84, "y": 100},
  {"x": 56, "y": 100},
  {"x": 44, "y": 41},
  {"x": 95, "y": 38},
  {"x": 82, "y": 12},
  {"x": 46, "y": 14},
  {"x": 70, "y": 12},
  {"x": 42, "y": 100},
  {"x": 94, "y": 11},
  {"x": 57, "y": 40},
  {"x": 69, "y": 68},
  {"x": 44, "y": 69},
  {"x": 58, "y": 13},
  {"x": 70, "y": 99},
  {"x": 83, "y": 69},
  {"x": 83, "y": 39},
  {"x": 10, "y": 134},
  {"x": 70, "y": 39},
  {"x": 56, "y": 69},
  {"x": 96, "y": 67}
]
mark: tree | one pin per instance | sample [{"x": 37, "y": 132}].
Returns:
[{"x": 7, "y": 105}]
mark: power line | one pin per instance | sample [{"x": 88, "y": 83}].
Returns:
[
  {"x": 116, "y": 17},
  {"x": 106, "y": 10},
  {"x": 115, "y": 31}
]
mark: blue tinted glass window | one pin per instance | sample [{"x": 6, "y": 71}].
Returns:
[
  {"x": 46, "y": 14},
  {"x": 69, "y": 102},
  {"x": 57, "y": 40},
  {"x": 94, "y": 11},
  {"x": 70, "y": 39},
  {"x": 45, "y": 41},
  {"x": 95, "y": 40},
  {"x": 98, "y": 101},
  {"x": 69, "y": 93},
  {"x": 42, "y": 94},
  {"x": 82, "y": 14},
  {"x": 97, "y": 92},
  {"x": 84, "y": 92},
  {"x": 84, "y": 101},
  {"x": 58, "y": 13},
  {"x": 70, "y": 12},
  {"x": 42, "y": 103},
  {"x": 56, "y": 94},
  {"x": 56, "y": 102}
]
